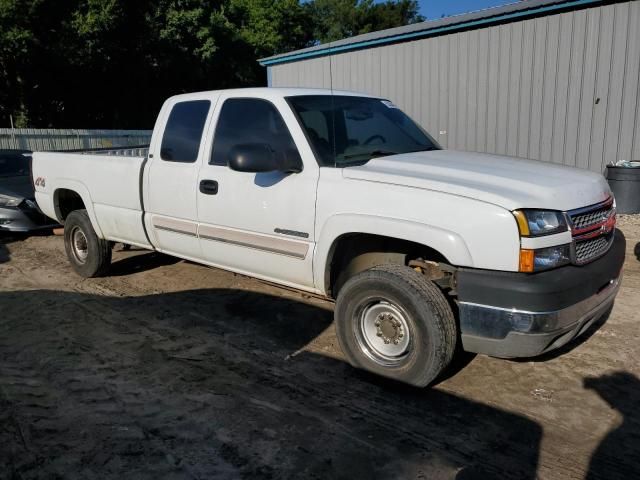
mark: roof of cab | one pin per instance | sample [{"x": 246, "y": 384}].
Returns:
[{"x": 268, "y": 92}]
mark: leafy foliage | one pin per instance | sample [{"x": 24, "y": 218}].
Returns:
[
  {"x": 336, "y": 19},
  {"x": 111, "y": 63}
]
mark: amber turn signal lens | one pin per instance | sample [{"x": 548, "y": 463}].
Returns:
[
  {"x": 523, "y": 223},
  {"x": 527, "y": 259}
]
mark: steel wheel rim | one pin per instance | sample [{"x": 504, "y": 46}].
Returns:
[
  {"x": 383, "y": 333},
  {"x": 79, "y": 245}
]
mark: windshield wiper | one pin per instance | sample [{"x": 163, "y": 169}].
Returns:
[
  {"x": 375, "y": 153},
  {"x": 425, "y": 149}
]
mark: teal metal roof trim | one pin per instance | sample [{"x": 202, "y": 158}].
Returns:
[{"x": 491, "y": 18}]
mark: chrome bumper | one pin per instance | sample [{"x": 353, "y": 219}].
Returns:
[{"x": 513, "y": 333}]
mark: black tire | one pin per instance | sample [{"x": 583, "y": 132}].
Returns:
[
  {"x": 98, "y": 251},
  {"x": 421, "y": 308}
]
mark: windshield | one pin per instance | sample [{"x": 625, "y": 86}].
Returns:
[
  {"x": 13, "y": 164},
  {"x": 345, "y": 130}
]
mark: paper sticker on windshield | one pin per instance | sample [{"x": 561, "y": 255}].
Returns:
[{"x": 388, "y": 104}]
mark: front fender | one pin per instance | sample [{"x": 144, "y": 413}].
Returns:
[{"x": 448, "y": 243}]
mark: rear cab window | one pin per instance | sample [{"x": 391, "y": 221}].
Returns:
[{"x": 183, "y": 131}]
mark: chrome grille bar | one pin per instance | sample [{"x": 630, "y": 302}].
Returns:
[{"x": 592, "y": 230}]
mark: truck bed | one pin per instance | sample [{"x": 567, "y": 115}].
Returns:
[{"x": 93, "y": 174}]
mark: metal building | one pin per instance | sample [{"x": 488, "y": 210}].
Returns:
[{"x": 551, "y": 80}]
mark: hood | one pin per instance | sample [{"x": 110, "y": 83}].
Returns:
[
  {"x": 17, "y": 186},
  {"x": 504, "y": 181}
]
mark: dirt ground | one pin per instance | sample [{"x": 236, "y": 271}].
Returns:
[{"x": 168, "y": 369}]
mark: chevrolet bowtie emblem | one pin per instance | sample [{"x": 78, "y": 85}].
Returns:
[{"x": 609, "y": 225}]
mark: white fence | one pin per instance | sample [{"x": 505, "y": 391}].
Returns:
[{"x": 46, "y": 139}]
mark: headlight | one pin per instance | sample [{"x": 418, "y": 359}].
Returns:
[
  {"x": 544, "y": 258},
  {"x": 7, "y": 201},
  {"x": 536, "y": 223}
]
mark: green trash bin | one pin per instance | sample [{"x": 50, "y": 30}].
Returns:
[{"x": 625, "y": 185}]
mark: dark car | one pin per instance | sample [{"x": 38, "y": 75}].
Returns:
[{"x": 18, "y": 209}]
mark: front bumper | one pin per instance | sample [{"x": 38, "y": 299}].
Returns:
[
  {"x": 510, "y": 315},
  {"x": 24, "y": 219}
]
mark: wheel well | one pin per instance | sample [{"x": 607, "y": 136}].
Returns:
[
  {"x": 355, "y": 252},
  {"x": 66, "y": 201}
]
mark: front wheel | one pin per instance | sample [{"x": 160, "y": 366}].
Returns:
[
  {"x": 394, "y": 322},
  {"x": 90, "y": 256}
]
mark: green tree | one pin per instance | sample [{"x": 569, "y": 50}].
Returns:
[
  {"x": 111, "y": 63},
  {"x": 271, "y": 26},
  {"x": 337, "y": 19},
  {"x": 390, "y": 14},
  {"x": 27, "y": 51}
]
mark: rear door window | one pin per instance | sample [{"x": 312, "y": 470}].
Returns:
[{"x": 183, "y": 133}]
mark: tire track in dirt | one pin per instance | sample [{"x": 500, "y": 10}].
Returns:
[
  {"x": 372, "y": 408},
  {"x": 308, "y": 392},
  {"x": 194, "y": 384},
  {"x": 84, "y": 388},
  {"x": 120, "y": 351}
]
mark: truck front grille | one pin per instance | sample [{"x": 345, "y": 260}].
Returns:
[
  {"x": 588, "y": 219},
  {"x": 592, "y": 230},
  {"x": 588, "y": 250}
]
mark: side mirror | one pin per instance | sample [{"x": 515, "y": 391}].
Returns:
[{"x": 260, "y": 158}]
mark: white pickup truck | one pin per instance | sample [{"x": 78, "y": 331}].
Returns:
[{"x": 425, "y": 250}]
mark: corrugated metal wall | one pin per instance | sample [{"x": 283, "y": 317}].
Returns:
[
  {"x": 561, "y": 88},
  {"x": 43, "y": 139}
]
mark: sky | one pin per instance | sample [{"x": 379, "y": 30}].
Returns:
[{"x": 433, "y": 9}]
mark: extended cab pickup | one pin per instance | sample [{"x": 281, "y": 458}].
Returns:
[{"x": 342, "y": 195}]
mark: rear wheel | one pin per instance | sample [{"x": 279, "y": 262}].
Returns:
[
  {"x": 90, "y": 256},
  {"x": 393, "y": 321}
]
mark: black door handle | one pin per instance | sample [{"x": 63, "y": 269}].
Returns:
[{"x": 209, "y": 187}]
